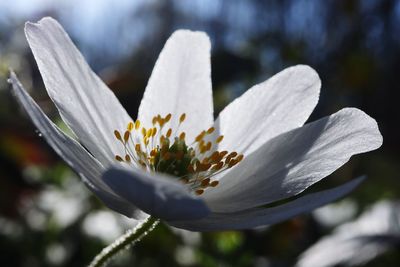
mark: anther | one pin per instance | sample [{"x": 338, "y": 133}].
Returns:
[
  {"x": 239, "y": 158},
  {"x": 137, "y": 124},
  {"x": 219, "y": 139},
  {"x": 208, "y": 146},
  {"x": 117, "y": 135},
  {"x": 149, "y": 132},
  {"x": 199, "y": 192},
  {"x": 118, "y": 158},
  {"x": 233, "y": 154},
  {"x": 217, "y": 166},
  {"x": 153, "y": 133},
  {"x": 137, "y": 148},
  {"x": 210, "y": 130},
  {"x": 232, "y": 163},
  {"x": 130, "y": 126},
  {"x": 127, "y": 158},
  {"x": 214, "y": 156},
  {"x": 169, "y": 132},
  {"x": 200, "y": 136},
  {"x": 214, "y": 183},
  {"x": 223, "y": 153},
  {"x": 182, "y": 136},
  {"x": 205, "y": 182},
  {"x": 168, "y": 117},
  {"x": 126, "y": 136},
  {"x": 182, "y": 117}
]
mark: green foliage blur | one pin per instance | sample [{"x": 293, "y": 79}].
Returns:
[{"x": 48, "y": 217}]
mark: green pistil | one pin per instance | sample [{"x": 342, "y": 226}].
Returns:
[{"x": 174, "y": 159}]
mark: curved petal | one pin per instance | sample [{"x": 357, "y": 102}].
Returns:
[
  {"x": 278, "y": 105},
  {"x": 72, "y": 152},
  {"x": 156, "y": 194},
  {"x": 267, "y": 216},
  {"x": 181, "y": 83},
  {"x": 289, "y": 163},
  {"x": 85, "y": 103}
]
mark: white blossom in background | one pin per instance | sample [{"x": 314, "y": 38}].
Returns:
[
  {"x": 357, "y": 242},
  {"x": 337, "y": 213},
  {"x": 174, "y": 162}
]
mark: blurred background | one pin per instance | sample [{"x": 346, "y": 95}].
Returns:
[{"x": 48, "y": 217}]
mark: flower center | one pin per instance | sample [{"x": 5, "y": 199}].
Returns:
[{"x": 162, "y": 149}]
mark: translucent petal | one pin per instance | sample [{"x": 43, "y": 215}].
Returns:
[
  {"x": 73, "y": 153},
  {"x": 278, "y": 105},
  {"x": 85, "y": 103},
  {"x": 291, "y": 162},
  {"x": 181, "y": 83}
]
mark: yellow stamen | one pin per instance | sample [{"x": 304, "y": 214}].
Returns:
[
  {"x": 182, "y": 117},
  {"x": 168, "y": 117},
  {"x": 130, "y": 126},
  {"x": 219, "y": 139},
  {"x": 169, "y": 132},
  {"x": 137, "y": 124},
  {"x": 137, "y": 148},
  {"x": 200, "y": 136},
  {"x": 149, "y": 133},
  {"x": 182, "y": 136},
  {"x": 117, "y": 135},
  {"x": 126, "y": 136},
  {"x": 210, "y": 130},
  {"x": 153, "y": 133}
]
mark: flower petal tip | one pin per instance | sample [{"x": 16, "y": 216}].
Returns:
[
  {"x": 375, "y": 136},
  {"x": 197, "y": 38}
]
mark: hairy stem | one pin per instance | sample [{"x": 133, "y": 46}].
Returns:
[{"x": 124, "y": 242}]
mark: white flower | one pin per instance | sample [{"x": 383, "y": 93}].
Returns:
[
  {"x": 276, "y": 157},
  {"x": 355, "y": 243}
]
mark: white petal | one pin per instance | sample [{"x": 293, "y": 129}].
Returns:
[
  {"x": 289, "y": 163},
  {"x": 267, "y": 216},
  {"x": 278, "y": 105},
  {"x": 72, "y": 152},
  {"x": 156, "y": 194},
  {"x": 85, "y": 103},
  {"x": 181, "y": 83},
  {"x": 359, "y": 241}
]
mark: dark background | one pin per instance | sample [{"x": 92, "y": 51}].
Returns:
[{"x": 48, "y": 218}]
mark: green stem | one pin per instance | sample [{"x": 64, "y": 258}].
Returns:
[{"x": 124, "y": 242}]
